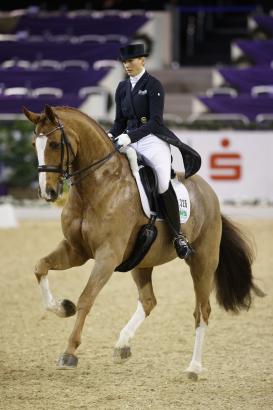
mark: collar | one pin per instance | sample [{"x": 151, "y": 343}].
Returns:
[{"x": 135, "y": 79}]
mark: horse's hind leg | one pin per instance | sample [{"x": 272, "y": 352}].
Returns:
[
  {"x": 146, "y": 302},
  {"x": 63, "y": 257},
  {"x": 202, "y": 266}
]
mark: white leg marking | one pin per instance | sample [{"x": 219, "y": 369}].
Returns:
[
  {"x": 196, "y": 361},
  {"x": 40, "y": 147},
  {"x": 128, "y": 332},
  {"x": 50, "y": 302}
]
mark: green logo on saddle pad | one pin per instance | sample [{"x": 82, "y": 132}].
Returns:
[{"x": 183, "y": 213}]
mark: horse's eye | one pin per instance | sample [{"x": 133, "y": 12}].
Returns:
[{"x": 54, "y": 145}]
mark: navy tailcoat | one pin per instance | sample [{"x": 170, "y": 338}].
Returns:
[{"x": 139, "y": 112}]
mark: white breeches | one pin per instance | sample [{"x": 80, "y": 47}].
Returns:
[{"x": 158, "y": 155}]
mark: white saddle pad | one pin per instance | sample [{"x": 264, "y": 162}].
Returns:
[{"x": 181, "y": 194}]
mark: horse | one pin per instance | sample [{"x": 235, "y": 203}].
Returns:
[{"x": 103, "y": 195}]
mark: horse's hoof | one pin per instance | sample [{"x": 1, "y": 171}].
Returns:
[
  {"x": 69, "y": 307},
  {"x": 121, "y": 354},
  {"x": 192, "y": 376},
  {"x": 67, "y": 361}
]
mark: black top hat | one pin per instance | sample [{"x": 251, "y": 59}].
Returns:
[{"x": 132, "y": 51}]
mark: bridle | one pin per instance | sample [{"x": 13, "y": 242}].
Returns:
[{"x": 64, "y": 168}]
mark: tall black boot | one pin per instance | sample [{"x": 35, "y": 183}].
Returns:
[{"x": 170, "y": 210}]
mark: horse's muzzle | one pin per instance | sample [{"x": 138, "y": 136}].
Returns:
[{"x": 52, "y": 194}]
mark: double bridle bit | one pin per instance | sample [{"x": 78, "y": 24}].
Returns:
[{"x": 67, "y": 147}]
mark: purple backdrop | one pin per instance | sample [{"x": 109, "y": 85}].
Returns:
[
  {"x": 26, "y": 50},
  {"x": 244, "y": 79},
  {"x": 265, "y": 22},
  {"x": 13, "y": 105},
  {"x": 259, "y": 51},
  {"x": 81, "y": 25},
  {"x": 243, "y": 104},
  {"x": 68, "y": 80}
]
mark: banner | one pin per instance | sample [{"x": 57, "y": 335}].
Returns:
[{"x": 237, "y": 164}]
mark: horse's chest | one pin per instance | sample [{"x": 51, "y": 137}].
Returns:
[{"x": 72, "y": 230}]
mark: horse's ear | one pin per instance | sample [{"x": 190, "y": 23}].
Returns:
[
  {"x": 50, "y": 113},
  {"x": 31, "y": 115}
]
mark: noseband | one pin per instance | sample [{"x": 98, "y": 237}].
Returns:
[{"x": 64, "y": 169}]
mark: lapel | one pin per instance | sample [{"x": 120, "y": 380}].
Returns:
[
  {"x": 141, "y": 82},
  {"x": 128, "y": 97}
]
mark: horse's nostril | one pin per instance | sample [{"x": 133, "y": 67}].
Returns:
[{"x": 52, "y": 193}]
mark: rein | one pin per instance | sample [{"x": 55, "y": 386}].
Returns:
[{"x": 66, "y": 146}]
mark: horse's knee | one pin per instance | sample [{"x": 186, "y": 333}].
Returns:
[
  {"x": 148, "y": 305},
  {"x": 41, "y": 269}
]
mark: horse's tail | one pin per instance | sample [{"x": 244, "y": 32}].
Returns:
[{"x": 233, "y": 277}]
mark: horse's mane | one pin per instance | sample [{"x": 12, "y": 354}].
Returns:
[{"x": 93, "y": 122}]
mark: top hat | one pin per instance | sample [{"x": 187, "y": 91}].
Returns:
[{"x": 132, "y": 51}]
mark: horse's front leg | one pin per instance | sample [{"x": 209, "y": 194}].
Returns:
[
  {"x": 63, "y": 257},
  {"x": 105, "y": 263}
]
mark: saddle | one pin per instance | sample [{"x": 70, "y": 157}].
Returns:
[{"x": 147, "y": 233}]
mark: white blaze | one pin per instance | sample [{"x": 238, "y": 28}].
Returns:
[{"x": 40, "y": 147}]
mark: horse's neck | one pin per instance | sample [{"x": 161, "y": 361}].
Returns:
[{"x": 94, "y": 146}]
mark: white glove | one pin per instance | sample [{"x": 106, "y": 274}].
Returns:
[
  {"x": 110, "y": 135},
  {"x": 123, "y": 140}
]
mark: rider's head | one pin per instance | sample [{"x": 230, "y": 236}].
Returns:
[{"x": 133, "y": 58}]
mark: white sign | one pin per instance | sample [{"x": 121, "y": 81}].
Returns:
[{"x": 237, "y": 164}]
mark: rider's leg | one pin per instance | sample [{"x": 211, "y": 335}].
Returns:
[
  {"x": 170, "y": 208},
  {"x": 158, "y": 153}
]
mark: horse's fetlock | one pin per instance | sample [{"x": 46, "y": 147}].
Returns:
[{"x": 75, "y": 342}]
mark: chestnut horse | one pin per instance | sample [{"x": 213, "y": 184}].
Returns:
[{"x": 102, "y": 217}]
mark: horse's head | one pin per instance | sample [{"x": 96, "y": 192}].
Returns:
[{"x": 55, "y": 151}]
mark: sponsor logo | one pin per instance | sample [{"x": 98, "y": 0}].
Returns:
[{"x": 226, "y": 165}]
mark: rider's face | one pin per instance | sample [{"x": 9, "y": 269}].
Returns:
[{"x": 133, "y": 66}]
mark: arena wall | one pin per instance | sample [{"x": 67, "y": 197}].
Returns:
[{"x": 238, "y": 164}]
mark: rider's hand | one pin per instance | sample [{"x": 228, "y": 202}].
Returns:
[
  {"x": 110, "y": 135},
  {"x": 123, "y": 140}
]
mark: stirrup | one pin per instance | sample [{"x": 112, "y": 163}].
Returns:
[{"x": 182, "y": 247}]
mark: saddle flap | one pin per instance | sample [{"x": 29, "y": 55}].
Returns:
[{"x": 146, "y": 180}]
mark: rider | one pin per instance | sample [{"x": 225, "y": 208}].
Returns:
[{"x": 139, "y": 122}]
